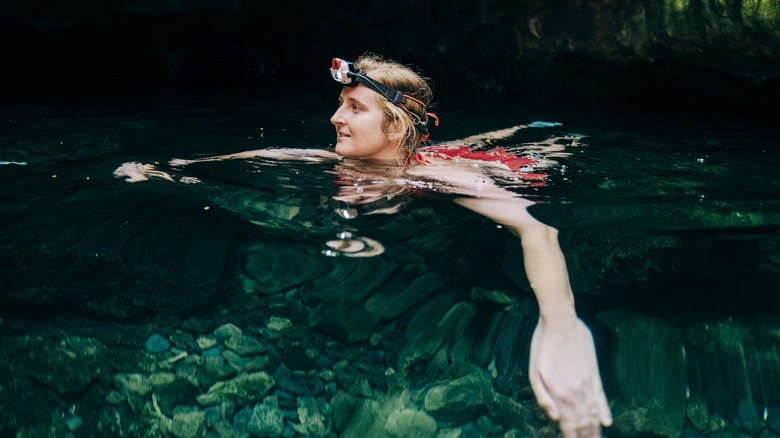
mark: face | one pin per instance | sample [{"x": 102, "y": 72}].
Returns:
[{"x": 358, "y": 122}]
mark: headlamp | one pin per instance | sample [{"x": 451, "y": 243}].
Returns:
[{"x": 343, "y": 73}]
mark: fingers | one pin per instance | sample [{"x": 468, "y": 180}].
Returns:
[
  {"x": 605, "y": 415},
  {"x": 572, "y": 430},
  {"x": 543, "y": 396}
]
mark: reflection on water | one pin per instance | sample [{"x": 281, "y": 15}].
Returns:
[{"x": 670, "y": 228}]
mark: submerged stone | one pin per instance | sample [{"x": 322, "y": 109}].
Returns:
[
  {"x": 213, "y": 369},
  {"x": 224, "y": 429},
  {"x": 312, "y": 418},
  {"x": 245, "y": 345},
  {"x": 179, "y": 391},
  {"x": 157, "y": 344},
  {"x": 298, "y": 382},
  {"x": 366, "y": 421},
  {"x": 465, "y": 395},
  {"x": 241, "y": 390},
  {"x": 266, "y": 421},
  {"x": 188, "y": 424},
  {"x": 134, "y": 383},
  {"x": 346, "y": 320},
  {"x": 66, "y": 367},
  {"x": 409, "y": 423},
  {"x": 226, "y": 331}
]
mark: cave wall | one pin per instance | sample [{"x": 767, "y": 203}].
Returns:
[{"x": 718, "y": 49}]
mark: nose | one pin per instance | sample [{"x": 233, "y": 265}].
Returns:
[{"x": 337, "y": 118}]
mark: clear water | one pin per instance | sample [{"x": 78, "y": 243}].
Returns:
[{"x": 669, "y": 223}]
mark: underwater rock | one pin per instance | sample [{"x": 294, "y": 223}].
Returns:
[
  {"x": 410, "y": 423},
  {"x": 133, "y": 383},
  {"x": 179, "y": 391},
  {"x": 649, "y": 373},
  {"x": 347, "y": 320},
  {"x": 364, "y": 421},
  {"x": 157, "y": 344},
  {"x": 463, "y": 392},
  {"x": 266, "y": 421},
  {"x": 206, "y": 341},
  {"x": 245, "y": 345},
  {"x": 747, "y": 418},
  {"x": 697, "y": 412},
  {"x": 298, "y": 382},
  {"x": 426, "y": 335},
  {"x": 278, "y": 324},
  {"x": 343, "y": 407},
  {"x": 224, "y": 429},
  {"x": 392, "y": 300},
  {"x": 241, "y": 390},
  {"x": 188, "y": 424},
  {"x": 226, "y": 331},
  {"x": 316, "y": 423},
  {"x": 213, "y": 369},
  {"x": 512, "y": 415},
  {"x": 68, "y": 366},
  {"x": 270, "y": 270}
]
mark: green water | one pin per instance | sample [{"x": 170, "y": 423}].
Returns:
[{"x": 669, "y": 223}]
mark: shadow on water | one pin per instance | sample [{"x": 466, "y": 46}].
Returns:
[{"x": 125, "y": 305}]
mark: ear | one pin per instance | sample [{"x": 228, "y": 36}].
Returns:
[{"x": 396, "y": 130}]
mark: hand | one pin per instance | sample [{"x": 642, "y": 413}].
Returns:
[
  {"x": 134, "y": 172},
  {"x": 565, "y": 378},
  {"x": 179, "y": 162}
]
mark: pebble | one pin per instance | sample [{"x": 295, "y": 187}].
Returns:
[
  {"x": 408, "y": 422},
  {"x": 206, "y": 342},
  {"x": 278, "y": 323},
  {"x": 312, "y": 418},
  {"x": 297, "y": 382},
  {"x": 74, "y": 423},
  {"x": 226, "y": 331},
  {"x": 157, "y": 344},
  {"x": 158, "y": 379},
  {"x": 241, "y": 390},
  {"x": 188, "y": 424},
  {"x": 245, "y": 345},
  {"x": 115, "y": 397},
  {"x": 135, "y": 383},
  {"x": 266, "y": 420}
]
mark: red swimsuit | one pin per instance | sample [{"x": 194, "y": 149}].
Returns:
[{"x": 499, "y": 155}]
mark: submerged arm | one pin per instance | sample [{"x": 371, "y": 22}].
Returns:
[
  {"x": 563, "y": 369},
  {"x": 486, "y": 137},
  {"x": 276, "y": 154},
  {"x": 134, "y": 171}
]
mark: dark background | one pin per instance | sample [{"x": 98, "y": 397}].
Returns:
[{"x": 643, "y": 52}]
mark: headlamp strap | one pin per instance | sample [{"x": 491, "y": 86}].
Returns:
[{"x": 395, "y": 96}]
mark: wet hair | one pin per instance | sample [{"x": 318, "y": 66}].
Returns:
[{"x": 407, "y": 81}]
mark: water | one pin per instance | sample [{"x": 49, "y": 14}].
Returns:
[{"x": 669, "y": 224}]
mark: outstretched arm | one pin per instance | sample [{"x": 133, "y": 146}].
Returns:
[
  {"x": 134, "y": 171},
  {"x": 486, "y": 137},
  {"x": 276, "y": 154},
  {"x": 563, "y": 369}
]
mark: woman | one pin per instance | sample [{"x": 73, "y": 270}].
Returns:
[
  {"x": 382, "y": 120},
  {"x": 373, "y": 122}
]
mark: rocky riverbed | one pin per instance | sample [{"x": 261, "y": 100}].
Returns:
[{"x": 262, "y": 371}]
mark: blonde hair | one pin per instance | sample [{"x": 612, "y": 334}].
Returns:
[{"x": 408, "y": 82}]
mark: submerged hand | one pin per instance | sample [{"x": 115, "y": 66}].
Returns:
[
  {"x": 565, "y": 378},
  {"x": 134, "y": 172}
]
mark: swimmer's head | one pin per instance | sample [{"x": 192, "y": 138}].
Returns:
[{"x": 408, "y": 118}]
